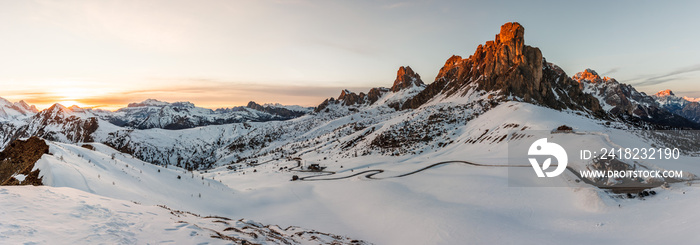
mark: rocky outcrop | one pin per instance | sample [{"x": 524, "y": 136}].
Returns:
[
  {"x": 514, "y": 70},
  {"x": 375, "y": 93},
  {"x": 617, "y": 98},
  {"x": 348, "y": 98},
  {"x": 19, "y": 158},
  {"x": 58, "y": 123},
  {"x": 406, "y": 78}
]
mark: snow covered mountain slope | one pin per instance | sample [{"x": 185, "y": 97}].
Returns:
[
  {"x": 158, "y": 114},
  {"x": 179, "y": 115},
  {"x": 12, "y": 117},
  {"x": 624, "y": 101},
  {"x": 98, "y": 169},
  {"x": 444, "y": 204},
  {"x": 683, "y": 106},
  {"x": 48, "y": 215},
  {"x": 75, "y": 124},
  {"x": 12, "y": 111}
]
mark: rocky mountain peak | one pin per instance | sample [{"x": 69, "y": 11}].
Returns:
[
  {"x": 512, "y": 35},
  {"x": 55, "y": 111},
  {"x": 512, "y": 69},
  {"x": 591, "y": 76},
  {"x": 507, "y": 50},
  {"x": 253, "y": 105},
  {"x": 664, "y": 93},
  {"x": 56, "y": 108},
  {"x": 14, "y": 110},
  {"x": 22, "y": 104},
  {"x": 406, "y": 78},
  {"x": 350, "y": 98}
]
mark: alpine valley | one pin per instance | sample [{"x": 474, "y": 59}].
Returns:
[{"x": 410, "y": 163}]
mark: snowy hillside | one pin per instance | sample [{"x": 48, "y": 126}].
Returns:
[
  {"x": 97, "y": 169},
  {"x": 47, "y": 215},
  {"x": 444, "y": 204}
]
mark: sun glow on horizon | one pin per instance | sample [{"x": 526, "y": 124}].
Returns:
[
  {"x": 71, "y": 93},
  {"x": 70, "y": 103}
]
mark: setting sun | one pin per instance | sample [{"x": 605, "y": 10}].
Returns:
[{"x": 69, "y": 103}]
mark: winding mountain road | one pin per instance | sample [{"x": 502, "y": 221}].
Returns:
[{"x": 370, "y": 174}]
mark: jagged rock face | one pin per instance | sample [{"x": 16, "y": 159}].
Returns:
[
  {"x": 406, "y": 78},
  {"x": 590, "y": 76},
  {"x": 375, "y": 93},
  {"x": 666, "y": 92},
  {"x": 58, "y": 123},
  {"x": 691, "y": 111},
  {"x": 509, "y": 66},
  {"x": 617, "y": 98},
  {"x": 623, "y": 100},
  {"x": 349, "y": 98},
  {"x": 19, "y": 157},
  {"x": 503, "y": 63},
  {"x": 324, "y": 104}
]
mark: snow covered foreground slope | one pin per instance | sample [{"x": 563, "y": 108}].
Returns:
[
  {"x": 103, "y": 171},
  {"x": 448, "y": 204},
  {"x": 47, "y": 215}
]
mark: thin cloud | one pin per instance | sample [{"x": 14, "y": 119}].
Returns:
[
  {"x": 667, "y": 77},
  {"x": 397, "y": 5},
  {"x": 611, "y": 71}
]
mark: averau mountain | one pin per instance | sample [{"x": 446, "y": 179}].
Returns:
[{"x": 517, "y": 71}]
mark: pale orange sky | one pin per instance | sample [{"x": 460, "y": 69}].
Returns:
[
  {"x": 224, "y": 53},
  {"x": 203, "y": 93}
]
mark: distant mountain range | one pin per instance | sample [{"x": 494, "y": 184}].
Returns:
[{"x": 158, "y": 114}]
